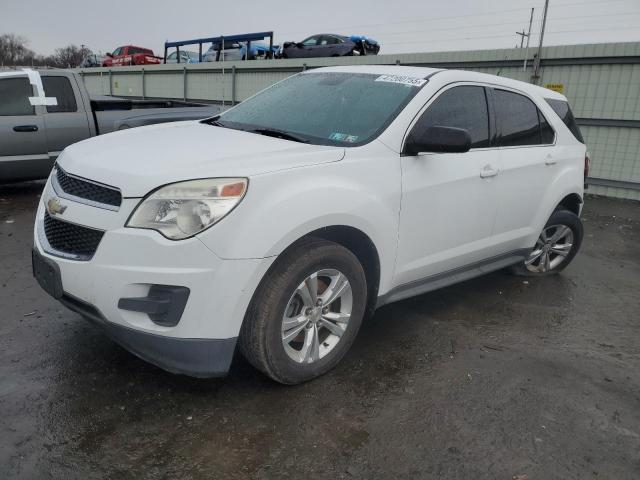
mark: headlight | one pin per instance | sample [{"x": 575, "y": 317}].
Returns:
[{"x": 183, "y": 209}]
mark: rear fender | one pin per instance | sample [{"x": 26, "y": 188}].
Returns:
[{"x": 568, "y": 181}]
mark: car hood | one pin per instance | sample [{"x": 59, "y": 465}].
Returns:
[{"x": 141, "y": 159}]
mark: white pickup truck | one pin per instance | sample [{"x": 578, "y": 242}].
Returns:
[{"x": 33, "y": 133}]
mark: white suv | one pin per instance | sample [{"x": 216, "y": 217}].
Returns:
[{"x": 296, "y": 213}]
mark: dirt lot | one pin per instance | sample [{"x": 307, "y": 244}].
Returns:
[{"x": 494, "y": 378}]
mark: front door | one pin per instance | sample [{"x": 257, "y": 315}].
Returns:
[
  {"x": 23, "y": 147},
  {"x": 449, "y": 201}
]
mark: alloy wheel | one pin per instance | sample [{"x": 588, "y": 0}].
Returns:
[
  {"x": 316, "y": 316},
  {"x": 552, "y": 247}
]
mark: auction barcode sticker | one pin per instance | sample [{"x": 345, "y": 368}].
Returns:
[{"x": 405, "y": 80}]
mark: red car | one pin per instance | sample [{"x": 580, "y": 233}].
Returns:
[{"x": 130, "y": 55}]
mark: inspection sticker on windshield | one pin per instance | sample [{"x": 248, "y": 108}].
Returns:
[
  {"x": 403, "y": 79},
  {"x": 343, "y": 137}
]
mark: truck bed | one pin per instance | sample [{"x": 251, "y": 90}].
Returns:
[{"x": 115, "y": 113}]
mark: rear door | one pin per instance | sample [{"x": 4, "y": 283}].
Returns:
[
  {"x": 67, "y": 122},
  {"x": 529, "y": 163},
  {"x": 449, "y": 200},
  {"x": 330, "y": 46},
  {"x": 23, "y": 148}
]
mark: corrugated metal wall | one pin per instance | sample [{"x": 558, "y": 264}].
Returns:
[{"x": 602, "y": 82}]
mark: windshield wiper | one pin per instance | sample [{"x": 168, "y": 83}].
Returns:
[
  {"x": 272, "y": 132},
  {"x": 215, "y": 121}
]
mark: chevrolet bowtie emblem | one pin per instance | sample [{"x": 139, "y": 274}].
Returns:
[{"x": 54, "y": 207}]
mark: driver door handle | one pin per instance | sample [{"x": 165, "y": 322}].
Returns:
[
  {"x": 488, "y": 171},
  {"x": 549, "y": 160},
  {"x": 25, "y": 128}
]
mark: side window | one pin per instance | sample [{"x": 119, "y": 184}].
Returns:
[
  {"x": 547, "y": 135},
  {"x": 172, "y": 56},
  {"x": 14, "y": 96},
  {"x": 311, "y": 41},
  {"x": 564, "y": 112},
  {"x": 60, "y": 87},
  {"x": 460, "y": 107},
  {"x": 518, "y": 120},
  {"x": 117, "y": 51}
]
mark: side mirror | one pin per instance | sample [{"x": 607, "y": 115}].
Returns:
[
  {"x": 110, "y": 55},
  {"x": 300, "y": 45},
  {"x": 438, "y": 139}
]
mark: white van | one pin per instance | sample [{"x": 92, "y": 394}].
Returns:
[{"x": 293, "y": 215}]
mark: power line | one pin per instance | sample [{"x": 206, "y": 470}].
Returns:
[
  {"x": 430, "y": 19},
  {"x": 536, "y": 22},
  {"x": 484, "y": 14},
  {"x": 556, "y": 32}
]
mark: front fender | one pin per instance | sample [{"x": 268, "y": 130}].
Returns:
[{"x": 282, "y": 207}]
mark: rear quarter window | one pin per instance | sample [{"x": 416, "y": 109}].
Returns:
[{"x": 563, "y": 110}]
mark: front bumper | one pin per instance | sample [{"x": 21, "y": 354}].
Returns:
[
  {"x": 128, "y": 263},
  {"x": 196, "y": 357}
]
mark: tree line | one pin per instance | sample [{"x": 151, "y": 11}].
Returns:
[{"x": 14, "y": 52}]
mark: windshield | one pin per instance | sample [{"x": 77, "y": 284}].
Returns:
[{"x": 326, "y": 108}]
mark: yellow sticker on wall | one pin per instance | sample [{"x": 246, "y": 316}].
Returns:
[{"x": 556, "y": 87}]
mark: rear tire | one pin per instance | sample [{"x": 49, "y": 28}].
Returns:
[
  {"x": 292, "y": 336},
  {"x": 556, "y": 246}
]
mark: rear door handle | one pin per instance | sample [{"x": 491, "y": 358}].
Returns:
[
  {"x": 25, "y": 128},
  {"x": 488, "y": 171},
  {"x": 550, "y": 160}
]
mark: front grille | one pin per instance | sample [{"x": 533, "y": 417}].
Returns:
[
  {"x": 88, "y": 190},
  {"x": 68, "y": 238}
]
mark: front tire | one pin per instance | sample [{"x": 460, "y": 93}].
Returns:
[
  {"x": 306, "y": 313},
  {"x": 556, "y": 246}
]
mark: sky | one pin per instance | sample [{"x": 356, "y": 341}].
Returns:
[{"x": 401, "y": 26}]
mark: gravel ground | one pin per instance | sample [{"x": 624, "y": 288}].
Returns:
[{"x": 495, "y": 378}]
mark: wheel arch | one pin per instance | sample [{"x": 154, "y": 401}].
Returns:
[
  {"x": 572, "y": 202},
  {"x": 354, "y": 240},
  {"x": 361, "y": 245}
]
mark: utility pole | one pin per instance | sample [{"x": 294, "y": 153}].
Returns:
[
  {"x": 526, "y": 52},
  {"x": 536, "y": 63}
]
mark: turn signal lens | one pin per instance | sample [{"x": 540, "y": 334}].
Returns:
[{"x": 233, "y": 190}]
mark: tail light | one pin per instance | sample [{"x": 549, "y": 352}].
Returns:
[{"x": 587, "y": 166}]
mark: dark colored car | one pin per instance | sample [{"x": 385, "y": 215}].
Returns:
[{"x": 330, "y": 45}]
